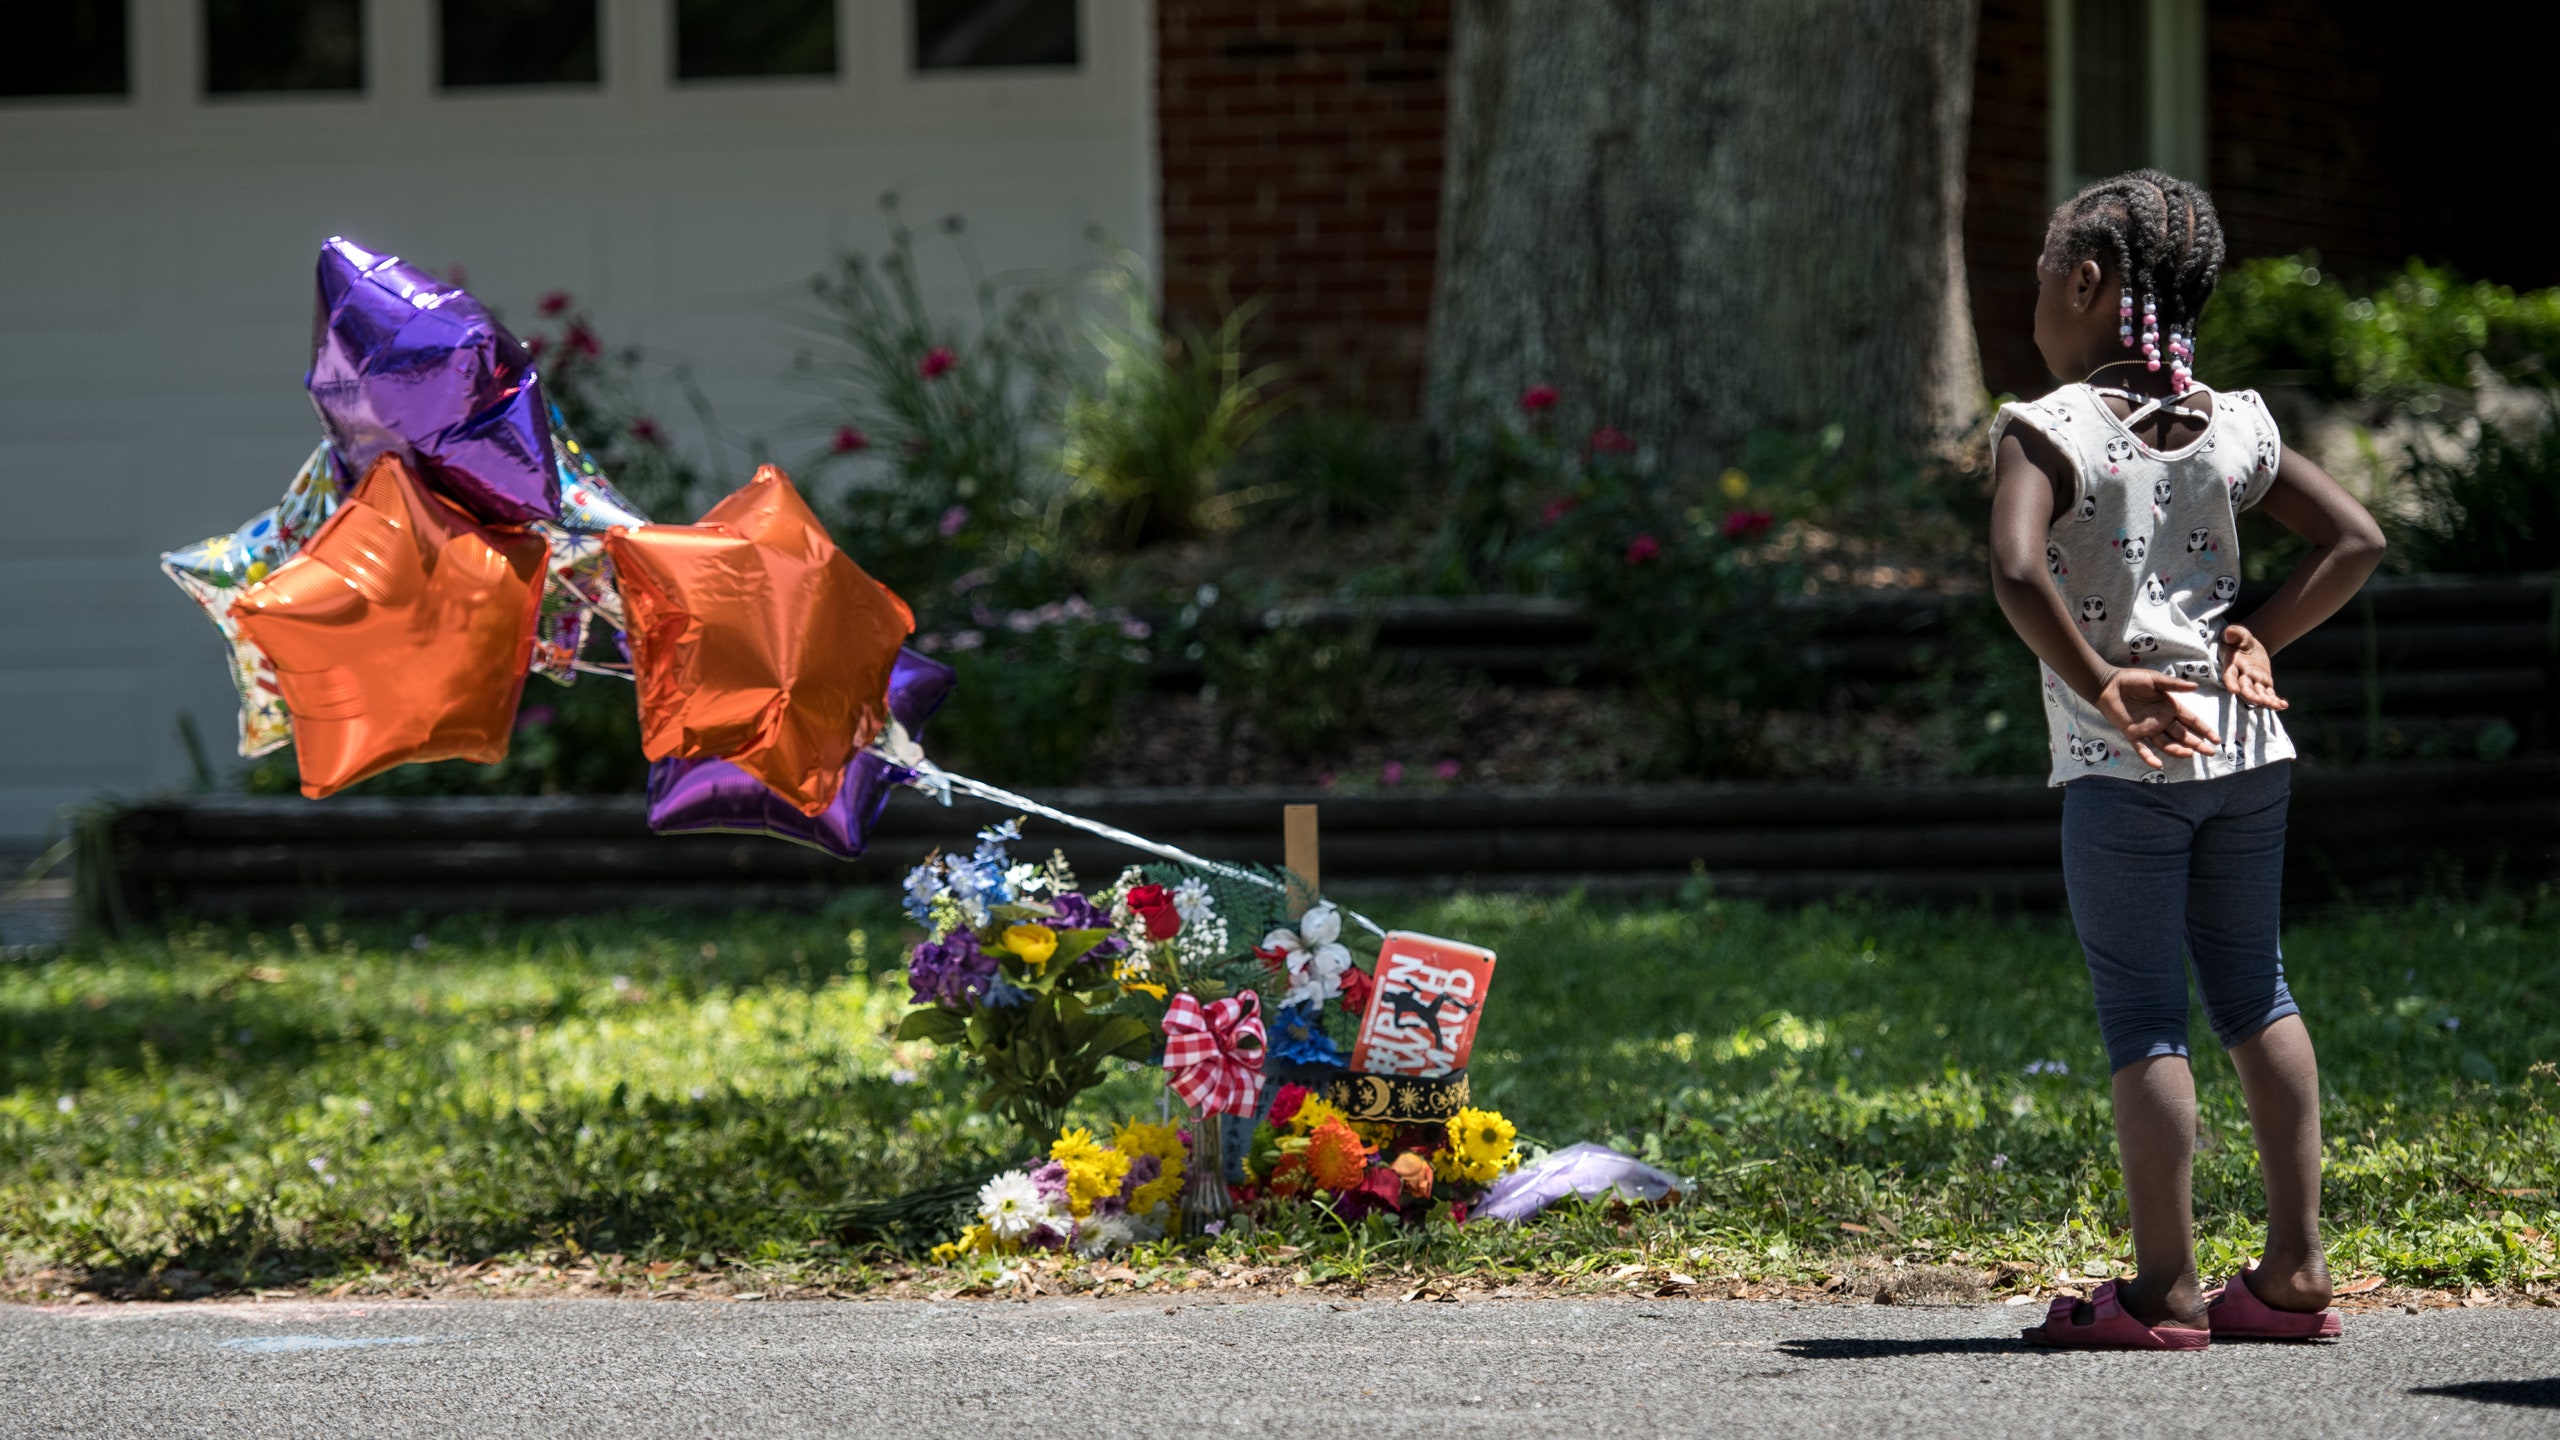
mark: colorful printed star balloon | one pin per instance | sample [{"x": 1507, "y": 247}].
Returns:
[
  {"x": 698, "y": 795},
  {"x": 580, "y": 590},
  {"x": 213, "y": 572},
  {"x": 404, "y": 364},
  {"x": 400, "y": 633},
  {"x": 755, "y": 640}
]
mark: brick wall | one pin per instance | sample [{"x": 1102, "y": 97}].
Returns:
[{"x": 1300, "y": 145}]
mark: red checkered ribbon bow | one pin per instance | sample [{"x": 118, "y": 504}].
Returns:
[{"x": 1213, "y": 1053}]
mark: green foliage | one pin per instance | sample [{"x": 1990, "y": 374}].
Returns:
[
  {"x": 2492, "y": 510},
  {"x": 1038, "y": 689},
  {"x": 1152, "y": 434},
  {"x": 1310, "y": 688},
  {"x": 1035, "y": 1057},
  {"x": 665, "y": 1087},
  {"x": 2285, "y": 319},
  {"x": 1329, "y": 469},
  {"x": 941, "y": 429}
]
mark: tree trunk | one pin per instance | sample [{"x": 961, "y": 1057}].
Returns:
[{"x": 1703, "y": 218}]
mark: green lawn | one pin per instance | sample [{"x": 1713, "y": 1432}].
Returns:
[{"x": 319, "y": 1103}]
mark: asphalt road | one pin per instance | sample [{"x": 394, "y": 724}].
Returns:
[{"x": 919, "y": 1371}]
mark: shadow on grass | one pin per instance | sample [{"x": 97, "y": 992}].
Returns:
[
  {"x": 2530, "y": 1394},
  {"x": 1858, "y": 1348}
]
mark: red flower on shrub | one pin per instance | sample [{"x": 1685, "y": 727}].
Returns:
[
  {"x": 1538, "y": 398},
  {"x": 1742, "y": 525},
  {"x": 647, "y": 429},
  {"x": 1356, "y": 985},
  {"x": 535, "y": 346},
  {"x": 1557, "y": 509},
  {"x": 584, "y": 341},
  {"x": 936, "y": 361},
  {"x": 849, "y": 440},
  {"x": 1153, "y": 905},
  {"x": 553, "y": 303},
  {"x": 1610, "y": 440},
  {"x": 1643, "y": 548}
]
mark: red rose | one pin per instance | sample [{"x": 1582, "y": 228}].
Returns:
[
  {"x": 1383, "y": 1185},
  {"x": 1537, "y": 398},
  {"x": 1153, "y": 904},
  {"x": 1285, "y": 1103},
  {"x": 1746, "y": 524},
  {"x": 1642, "y": 548},
  {"x": 936, "y": 362},
  {"x": 1356, "y": 986}
]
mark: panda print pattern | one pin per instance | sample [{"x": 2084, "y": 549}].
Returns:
[{"x": 2168, "y": 520}]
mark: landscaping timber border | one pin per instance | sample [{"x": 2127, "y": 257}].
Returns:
[{"x": 2367, "y": 832}]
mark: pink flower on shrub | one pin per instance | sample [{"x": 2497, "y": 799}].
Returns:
[
  {"x": 1391, "y": 773},
  {"x": 1445, "y": 771},
  {"x": 1610, "y": 440},
  {"x": 1556, "y": 509},
  {"x": 647, "y": 429},
  {"x": 1742, "y": 525},
  {"x": 953, "y": 521},
  {"x": 535, "y": 346},
  {"x": 536, "y": 715},
  {"x": 849, "y": 440},
  {"x": 553, "y": 303},
  {"x": 1643, "y": 548},
  {"x": 936, "y": 361},
  {"x": 1538, "y": 398},
  {"x": 584, "y": 341}
]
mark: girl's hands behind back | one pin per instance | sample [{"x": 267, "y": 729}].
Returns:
[
  {"x": 2246, "y": 669},
  {"x": 2143, "y": 705}
]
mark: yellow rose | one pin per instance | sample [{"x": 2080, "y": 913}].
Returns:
[{"x": 1034, "y": 943}]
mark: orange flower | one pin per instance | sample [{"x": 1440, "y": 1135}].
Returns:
[
  {"x": 1416, "y": 1174},
  {"x": 1289, "y": 1177},
  {"x": 1336, "y": 1156}
]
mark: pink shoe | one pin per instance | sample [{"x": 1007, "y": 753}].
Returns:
[
  {"x": 2238, "y": 1314},
  {"x": 2109, "y": 1328}
]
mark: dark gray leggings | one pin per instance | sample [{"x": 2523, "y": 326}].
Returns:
[{"x": 2159, "y": 874}]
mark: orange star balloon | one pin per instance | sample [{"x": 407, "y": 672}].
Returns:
[
  {"x": 754, "y": 640},
  {"x": 400, "y": 633}
]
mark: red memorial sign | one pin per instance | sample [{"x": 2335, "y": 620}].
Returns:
[{"x": 1422, "y": 1015}]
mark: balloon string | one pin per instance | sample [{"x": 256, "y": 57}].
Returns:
[{"x": 940, "y": 782}]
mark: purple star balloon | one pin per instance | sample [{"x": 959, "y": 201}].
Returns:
[
  {"x": 695, "y": 795},
  {"x": 402, "y": 363}
]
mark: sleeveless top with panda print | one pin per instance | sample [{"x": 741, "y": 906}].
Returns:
[{"x": 2147, "y": 558}]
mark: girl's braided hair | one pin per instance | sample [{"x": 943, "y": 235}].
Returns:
[{"x": 2159, "y": 232}]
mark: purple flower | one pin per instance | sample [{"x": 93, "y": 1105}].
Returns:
[
  {"x": 953, "y": 521},
  {"x": 1051, "y": 1179},
  {"x": 950, "y": 972},
  {"x": 1142, "y": 1169},
  {"x": 1075, "y": 912}
]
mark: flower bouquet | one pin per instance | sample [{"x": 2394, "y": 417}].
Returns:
[
  {"x": 1090, "y": 1197},
  {"x": 1308, "y": 1149}
]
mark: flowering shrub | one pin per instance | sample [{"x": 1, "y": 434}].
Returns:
[
  {"x": 941, "y": 429},
  {"x": 1038, "y": 688}
]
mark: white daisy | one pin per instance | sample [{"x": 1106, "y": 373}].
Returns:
[
  {"x": 1191, "y": 901},
  {"x": 1011, "y": 1205}
]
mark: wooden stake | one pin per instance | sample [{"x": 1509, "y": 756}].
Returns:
[{"x": 1298, "y": 847}]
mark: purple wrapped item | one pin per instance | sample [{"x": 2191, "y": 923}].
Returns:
[
  {"x": 1586, "y": 1170},
  {"x": 697, "y": 795},
  {"x": 403, "y": 363}
]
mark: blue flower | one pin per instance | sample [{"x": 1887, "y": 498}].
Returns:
[{"x": 1298, "y": 1038}]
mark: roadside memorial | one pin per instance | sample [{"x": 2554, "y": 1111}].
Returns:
[{"x": 449, "y": 538}]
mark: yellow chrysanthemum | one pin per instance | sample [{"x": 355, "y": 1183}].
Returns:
[
  {"x": 1450, "y": 1165},
  {"x": 1096, "y": 1179},
  {"x": 1484, "y": 1137},
  {"x": 1074, "y": 1144},
  {"x": 1313, "y": 1112},
  {"x": 975, "y": 1240},
  {"x": 1163, "y": 1142},
  {"x": 1374, "y": 1133}
]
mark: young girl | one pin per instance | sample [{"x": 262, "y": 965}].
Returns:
[{"x": 2114, "y": 532}]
